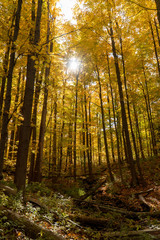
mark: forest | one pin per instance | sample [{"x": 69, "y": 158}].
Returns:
[{"x": 80, "y": 120}]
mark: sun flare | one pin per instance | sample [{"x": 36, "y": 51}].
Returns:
[{"x": 73, "y": 65}]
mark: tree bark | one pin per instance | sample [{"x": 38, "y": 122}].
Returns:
[{"x": 25, "y": 129}]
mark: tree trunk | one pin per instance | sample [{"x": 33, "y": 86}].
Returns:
[
  {"x": 54, "y": 158},
  {"x": 99, "y": 140},
  {"x": 149, "y": 113},
  {"x": 34, "y": 128},
  {"x": 158, "y": 10},
  {"x": 110, "y": 127},
  {"x": 115, "y": 123},
  {"x": 38, "y": 165},
  {"x": 83, "y": 138},
  {"x": 132, "y": 169},
  {"x": 157, "y": 31},
  {"x": 5, "y": 119},
  {"x": 62, "y": 130},
  {"x": 104, "y": 130},
  {"x": 138, "y": 130},
  {"x": 75, "y": 130},
  {"x": 13, "y": 132},
  {"x": 24, "y": 139},
  {"x": 155, "y": 47},
  {"x": 90, "y": 142},
  {"x": 129, "y": 113},
  {"x": 87, "y": 131}
]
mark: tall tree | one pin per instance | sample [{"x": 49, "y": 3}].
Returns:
[
  {"x": 24, "y": 138},
  {"x": 7, "y": 104}
]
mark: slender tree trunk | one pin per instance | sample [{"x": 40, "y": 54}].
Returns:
[
  {"x": 99, "y": 140},
  {"x": 87, "y": 131},
  {"x": 149, "y": 113},
  {"x": 75, "y": 130},
  {"x": 70, "y": 147},
  {"x": 138, "y": 130},
  {"x": 83, "y": 138},
  {"x": 62, "y": 130},
  {"x": 132, "y": 169},
  {"x": 5, "y": 119},
  {"x": 54, "y": 158},
  {"x": 90, "y": 141},
  {"x": 104, "y": 130},
  {"x": 5, "y": 69},
  {"x": 38, "y": 164},
  {"x": 115, "y": 123},
  {"x": 34, "y": 123},
  {"x": 5, "y": 66},
  {"x": 158, "y": 10},
  {"x": 157, "y": 31},
  {"x": 21, "y": 165},
  {"x": 39, "y": 158},
  {"x": 129, "y": 113},
  {"x": 146, "y": 134},
  {"x": 110, "y": 127},
  {"x": 155, "y": 47},
  {"x": 13, "y": 132}
]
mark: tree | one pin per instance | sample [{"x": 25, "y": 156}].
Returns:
[
  {"x": 5, "y": 119},
  {"x": 24, "y": 137}
]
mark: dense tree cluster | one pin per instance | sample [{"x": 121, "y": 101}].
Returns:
[{"x": 56, "y": 120}]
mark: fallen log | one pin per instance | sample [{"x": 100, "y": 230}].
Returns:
[
  {"x": 146, "y": 192},
  {"x": 12, "y": 192},
  {"x": 8, "y": 190},
  {"x": 30, "y": 229},
  {"x": 93, "y": 190},
  {"x": 90, "y": 221},
  {"x": 132, "y": 233},
  {"x": 129, "y": 214}
]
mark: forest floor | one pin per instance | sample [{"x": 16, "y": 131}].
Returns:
[{"x": 111, "y": 211}]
